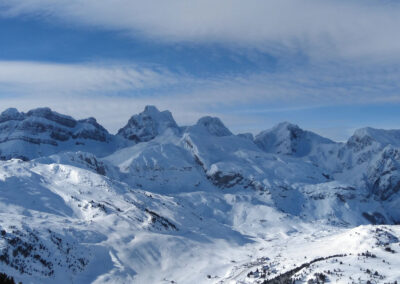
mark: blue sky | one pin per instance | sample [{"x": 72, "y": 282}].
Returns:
[{"x": 329, "y": 66}]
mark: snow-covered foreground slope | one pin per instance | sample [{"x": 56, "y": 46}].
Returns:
[
  {"x": 65, "y": 223},
  {"x": 366, "y": 254},
  {"x": 159, "y": 203}
]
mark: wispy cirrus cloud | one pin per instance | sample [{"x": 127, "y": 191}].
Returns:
[
  {"x": 322, "y": 84},
  {"x": 40, "y": 78},
  {"x": 323, "y": 53},
  {"x": 112, "y": 93},
  {"x": 345, "y": 28}
]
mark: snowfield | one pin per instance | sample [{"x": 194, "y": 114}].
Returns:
[{"x": 160, "y": 203}]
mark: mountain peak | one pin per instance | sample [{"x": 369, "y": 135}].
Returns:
[
  {"x": 366, "y": 136},
  {"x": 148, "y": 124},
  {"x": 214, "y": 126},
  {"x": 150, "y": 109},
  {"x": 286, "y": 125},
  {"x": 42, "y": 131},
  {"x": 11, "y": 114},
  {"x": 289, "y": 139},
  {"x": 10, "y": 111},
  {"x": 48, "y": 114}
]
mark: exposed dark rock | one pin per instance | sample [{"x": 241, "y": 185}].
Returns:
[
  {"x": 147, "y": 125},
  {"x": 164, "y": 222},
  {"x": 25, "y": 134},
  {"x": 227, "y": 180},
  {"x": 375, "y": 218}
]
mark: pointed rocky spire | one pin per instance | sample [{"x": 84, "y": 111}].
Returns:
[{"x": 148, "y": 124}]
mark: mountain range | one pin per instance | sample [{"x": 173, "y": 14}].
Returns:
[{"x": 163, "y": 203}]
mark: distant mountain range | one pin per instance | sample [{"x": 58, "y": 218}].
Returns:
[{"x": 163, "y": 203}]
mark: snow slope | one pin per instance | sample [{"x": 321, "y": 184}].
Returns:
[{"x": 159, "y": 203}]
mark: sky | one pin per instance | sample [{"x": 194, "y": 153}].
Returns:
[{"x": 328, "y": 66}]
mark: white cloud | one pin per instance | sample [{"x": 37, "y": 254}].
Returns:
[
  {"x": 347, "y": 28},
  {"x": 112, "y": 93},
  {"x": 315, "y": 85},
  {"x": 49, "y": 78},
  {"x": 354, "y": 47}
]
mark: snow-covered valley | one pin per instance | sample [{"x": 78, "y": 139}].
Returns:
[{"x": 162, "y": 203}]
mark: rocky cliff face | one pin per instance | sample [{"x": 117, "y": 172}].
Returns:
[
  {"x": 147, "y": 125},
  {"x": 42, "y": 131},
  {"x": 383, "y": 175}
]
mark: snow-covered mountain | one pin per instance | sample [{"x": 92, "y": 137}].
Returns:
[
  {"x": 159, "y": 203},
  {"x": 289, "y": 139},
  {"x": 147, "y": 125},
  {"x": 41, "y": 132}
]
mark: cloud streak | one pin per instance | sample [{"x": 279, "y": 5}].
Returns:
[
  {"x": 328, "y": 53},
  {"x": 32, "y": 78},
  {"x": 112, "y": 93},
  {"x": 346, "y": 28},
  {"x": 317, "y": 84}
]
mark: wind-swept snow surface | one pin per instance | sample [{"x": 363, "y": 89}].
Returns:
[{"x": 159, "y": 203}]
